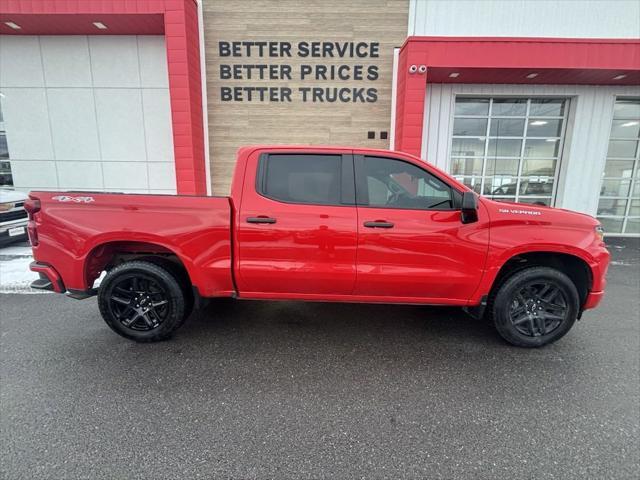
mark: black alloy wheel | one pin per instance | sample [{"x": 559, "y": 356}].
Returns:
[
  {"x": 534, "y": 306},
  {"x": 538, "y": 309},
  {"x": 139, "y": 302},
  {"x": 142, "y": 301}
]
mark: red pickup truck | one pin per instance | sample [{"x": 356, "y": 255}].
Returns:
[{"x": 321, "y": 224}]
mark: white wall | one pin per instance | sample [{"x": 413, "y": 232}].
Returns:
[
  {"x": 87, "y": 112},
  {"x": 585, "y": 148},
  {"x": 525, "y": 18}
]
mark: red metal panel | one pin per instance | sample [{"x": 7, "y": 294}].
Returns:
[
  {"x": 545, "y": 76},
  {"x": 504, "y": 60},
  {"x": 82, "y": 24},
  {"x": 176, "y": 19},
  {"x": 410, "y": 104}
]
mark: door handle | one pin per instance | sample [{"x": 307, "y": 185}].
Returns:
[
  {"x": 261, "y": 219},
  {"x": 378, "y": 224}
]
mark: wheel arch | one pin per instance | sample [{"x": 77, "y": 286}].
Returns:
[
  {"x": 575, "y": 267},
  {"x": 108, "y": 254}
]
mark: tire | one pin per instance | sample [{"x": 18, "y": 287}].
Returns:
[
  {"x": 142, "y": 301},
  {"x": 183, "y": 280},
  {"x": 534, "y": 307}
]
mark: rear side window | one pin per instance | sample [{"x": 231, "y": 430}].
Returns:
[{"x": 311, "y": 179}]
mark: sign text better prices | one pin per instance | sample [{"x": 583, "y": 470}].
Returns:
[{"x": 248, "y": 61}]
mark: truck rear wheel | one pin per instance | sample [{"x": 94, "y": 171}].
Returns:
[
  {"x": 142, "y": 301},
  {"x": 534, "y": 307}
]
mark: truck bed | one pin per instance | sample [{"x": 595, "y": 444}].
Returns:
[{"x": 78, "y": 231}]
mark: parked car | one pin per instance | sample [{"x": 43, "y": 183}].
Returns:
[
  {"x": 13, "y": 216},
  {"x": 321, "y": 224},
  {"x": 527, "y": 187}
]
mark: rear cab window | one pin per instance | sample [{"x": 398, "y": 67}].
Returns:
[{"x": 314, "y": 179}]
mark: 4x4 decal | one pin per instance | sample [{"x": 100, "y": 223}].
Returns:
[{"x": 67, "y": 198}]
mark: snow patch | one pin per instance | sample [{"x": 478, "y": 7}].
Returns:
[
  {"x": 16, "y": 251},
  {"x": 15, "y": 276}
]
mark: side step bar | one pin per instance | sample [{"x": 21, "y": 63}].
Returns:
[{"x": 82, "y": 294}]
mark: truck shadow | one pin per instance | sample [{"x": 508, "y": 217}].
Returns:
[
  {"x": 276, "y": 347},
  {"x": 301, "y": 322}
]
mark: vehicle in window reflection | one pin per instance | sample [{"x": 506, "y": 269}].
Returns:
[{"x": 538, "y": 184}]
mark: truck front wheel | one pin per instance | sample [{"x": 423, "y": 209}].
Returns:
[
  {"x": 534, "y": 307},
  {"x": 142, "y": 301}
]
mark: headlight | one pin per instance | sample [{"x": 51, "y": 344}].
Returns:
[
  {"x": 6, "y": 206},
  {"x": 600, "y": 232}
]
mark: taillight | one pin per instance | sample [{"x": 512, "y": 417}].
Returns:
[
  {"x": 33, "y": 233},
  {"x": 32, "y": 205}
]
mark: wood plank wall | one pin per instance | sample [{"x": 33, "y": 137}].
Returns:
[{"x": 233, "y": 124}]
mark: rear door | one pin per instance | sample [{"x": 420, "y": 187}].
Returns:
[
  {"x": 297, "y": 225},
  {"x": 412, "y": 243}
]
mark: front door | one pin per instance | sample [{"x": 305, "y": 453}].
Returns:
[
  {"x": 412, "y": 244},
  {"x": 297, "y": 226}
]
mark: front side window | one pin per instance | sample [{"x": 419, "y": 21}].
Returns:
[
  {"x": 389, "y": 183},
  {"x": 311, "y": 179}
]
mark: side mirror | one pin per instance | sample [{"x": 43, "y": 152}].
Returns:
[{"x": 469, "y": 207}]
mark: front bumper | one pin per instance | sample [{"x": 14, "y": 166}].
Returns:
[{"x": 593, "y": 300}]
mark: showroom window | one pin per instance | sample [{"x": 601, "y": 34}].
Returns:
[
  {"x": 619, "y": 205},
  {"x": 509, "y": 148},
  {"x": 6, "y": 180}
]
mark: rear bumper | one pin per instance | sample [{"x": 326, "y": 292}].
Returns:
[
  {"x": 593, "y": 300},
  {"x": 49, "y": 278}
]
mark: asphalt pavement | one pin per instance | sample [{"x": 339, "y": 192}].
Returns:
[{"x": 309, "y": 390}]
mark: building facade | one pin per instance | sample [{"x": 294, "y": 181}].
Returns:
[{"x": 536, "y": 101}]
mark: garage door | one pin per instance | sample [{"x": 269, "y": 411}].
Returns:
[{"x": 86, "y": 113}]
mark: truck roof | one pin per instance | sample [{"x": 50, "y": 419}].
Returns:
[{"x": 328, "y": 148}]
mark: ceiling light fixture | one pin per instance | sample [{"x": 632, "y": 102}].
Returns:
[
  {"x": 630, "y": 124},
  {"x": 619, "y": 77},
  {"x": 533, "y": 75},
  {"x": 13, "y": 25},
  {"x": 537, "y": 123},
  {"x": 100, "y": 25},
  {"x": 454, "y": 75}
]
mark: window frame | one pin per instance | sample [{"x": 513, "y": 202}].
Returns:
[
  {"x": 347, "y": 178},
  {"x": 3, "y": 132},
  {"x": 362, "y": 188}
]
